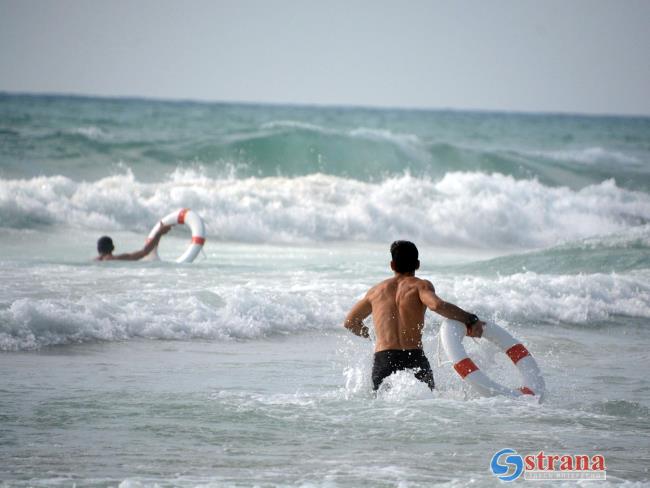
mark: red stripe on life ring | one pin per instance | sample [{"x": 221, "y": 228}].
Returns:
[
  {"x": 181, "y": 215},
  {"x": 465, "y": 367},
  {"x": 517, "y": 352},
  {"x": 526, "y": 391},
  {"x": 198, "y": 240}
]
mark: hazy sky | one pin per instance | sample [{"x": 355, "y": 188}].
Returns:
[{"x": 587, "y": 56}]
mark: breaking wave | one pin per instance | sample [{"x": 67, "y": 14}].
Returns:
[
  {"x": 258, "y": 309},
  {"x": 471, "y": 209}
]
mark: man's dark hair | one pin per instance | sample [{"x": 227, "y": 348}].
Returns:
[
  {"x": 405, "y": 256},
  {"x": 105, "y": 245}
]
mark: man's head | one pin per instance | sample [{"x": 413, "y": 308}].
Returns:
[
  {"x": 105, "y": 245},
  {"x": 405, "y": 257}
]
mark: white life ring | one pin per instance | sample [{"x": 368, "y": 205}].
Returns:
[
  {"x": 194, "y": 222},
  {"x": 452, "y": 334}
]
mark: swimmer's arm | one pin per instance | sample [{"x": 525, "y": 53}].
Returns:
[
  {"x": 448, "y": 310},
  {"x": 148, "y": 247},
  {"x": 354, "y": 320}
]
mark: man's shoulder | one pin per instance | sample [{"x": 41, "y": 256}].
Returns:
[
  {"x": 422, "y": 283},
  {"x": 112, "y": 257},
  {"x": 425, "y": 281},
  {"x": 381, "y": 285},
  {"x": 413, "y": 282}
]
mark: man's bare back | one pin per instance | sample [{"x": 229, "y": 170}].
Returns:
[
  {"x": 397, "y": 312},
  {"x": 398, "y": 305}
]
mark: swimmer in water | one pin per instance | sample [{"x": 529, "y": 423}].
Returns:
[
  {"x": 105, "y": 247},
  {"x": 397, "y": 306}
]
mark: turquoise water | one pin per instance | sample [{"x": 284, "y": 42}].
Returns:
[
  {"x": 87, "y": 138},
  {"x": 234, "y": 370}
]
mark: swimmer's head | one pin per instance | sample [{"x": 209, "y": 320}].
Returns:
[
  {"x": 405, "y": 257},
  {"x": 105, "y": 245}
]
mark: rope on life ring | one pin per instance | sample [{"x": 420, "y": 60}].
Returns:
[
  {"x": 183, "y": 216},
  {"x": 452, "y": 334}
]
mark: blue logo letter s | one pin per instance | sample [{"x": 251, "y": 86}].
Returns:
[{"x": 500, "y": 470}]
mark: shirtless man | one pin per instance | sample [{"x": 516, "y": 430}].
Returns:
[
  {"x": 397, "y": 306},
  {"x": 105, "y": 247}
]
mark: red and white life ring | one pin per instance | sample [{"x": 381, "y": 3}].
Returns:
[
  {"x": 452, "y": 334},
  {"x": 194, "y": 222}
]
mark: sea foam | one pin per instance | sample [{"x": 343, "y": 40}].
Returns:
[
  {"x": 471, "y": 209},
  {"x": 258, "y": 309},
  {"x": 588, "y": 156}
]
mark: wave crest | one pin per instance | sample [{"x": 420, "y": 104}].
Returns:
[
  {"x": 258, "y": 309},
  {"x": 235, "y": 313},
  {"x": 469, "y": 209}
]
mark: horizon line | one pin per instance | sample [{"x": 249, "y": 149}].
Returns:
[{"x": 145, "y": 98}]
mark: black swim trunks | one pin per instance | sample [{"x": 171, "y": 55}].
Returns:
[{"x": 392, "y": 360}]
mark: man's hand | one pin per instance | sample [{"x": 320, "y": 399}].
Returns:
[
  {"x": 164, "y": 229},
  {"x": 476, "y": 329},
  {"x": 354, "y": 320}
]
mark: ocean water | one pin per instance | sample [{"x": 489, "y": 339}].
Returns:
[{"x": 235, "y": 370}]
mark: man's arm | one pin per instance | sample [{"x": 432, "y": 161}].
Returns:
[
  {"x": 148, "y": 247},
  {"x": 449, "y": 310},
  {"x": 354, "y": 319}
]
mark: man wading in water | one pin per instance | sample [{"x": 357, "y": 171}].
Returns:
[
  {"x": 397, "y": 306},
  {"x": 105, "y": 247}
]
